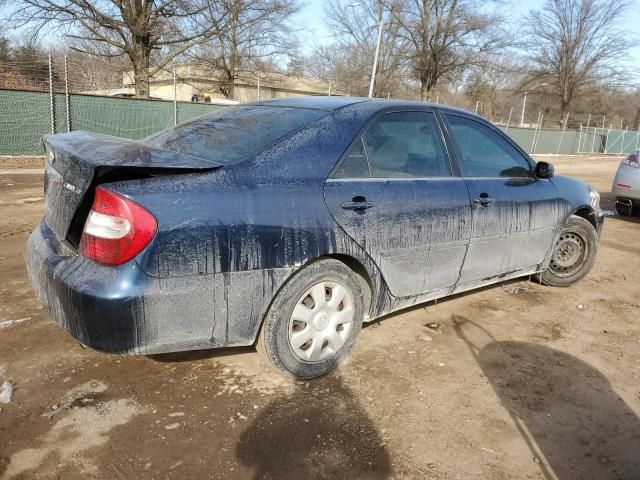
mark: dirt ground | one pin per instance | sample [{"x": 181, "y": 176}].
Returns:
[{"x": 518, "y": 381}]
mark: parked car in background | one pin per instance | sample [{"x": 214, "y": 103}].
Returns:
[
  {"x": 626, "y": 184},
  {"x": 129, "y": 94},
  {"x": 288, "y": 223},
  {"x": 206, "y": 98}
]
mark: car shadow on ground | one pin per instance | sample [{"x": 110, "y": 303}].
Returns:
[
  {"x": 634, "y": 218},
  {"x": 568, "y": 413},
  {"x": 318, "y": 431}
]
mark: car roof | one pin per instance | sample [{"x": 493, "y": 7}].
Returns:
[
  {"x": 321, "y": 103},
  {"x": 337, "y": 102}
]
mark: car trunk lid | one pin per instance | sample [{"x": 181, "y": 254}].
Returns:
[{"x": 76, "y": 162}]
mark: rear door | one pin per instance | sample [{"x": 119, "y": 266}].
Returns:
[
  {"x": 395, "y": 193},
  {"x": 514, "y": 214}
]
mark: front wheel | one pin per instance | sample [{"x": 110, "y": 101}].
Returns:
[
  {"x": 314, "y": 320},
  {"x": 573, "y": 255}
]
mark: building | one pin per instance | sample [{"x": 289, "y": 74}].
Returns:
[{"x": 192, "y": 80}]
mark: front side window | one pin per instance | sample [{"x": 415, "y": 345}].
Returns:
[
  {"x": 484, "y": 152},
  {"x": 398, "y": 145},
  {"x": 234, "y": 134}
]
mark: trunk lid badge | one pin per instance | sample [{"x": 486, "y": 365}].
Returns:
[{"x": 72, "y": 188}]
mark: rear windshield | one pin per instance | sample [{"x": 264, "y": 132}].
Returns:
[{"x": 234, "y": 134}]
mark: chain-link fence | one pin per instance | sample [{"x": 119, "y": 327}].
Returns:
[
  {"x": 26, "y": 116},
  {"x": 188, "y": 82},
  {"x": 40, "y": 95},
  {"x": 575, "y": 142},
  {"x": 54, "y": 94}
]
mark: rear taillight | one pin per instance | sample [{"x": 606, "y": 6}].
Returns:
[
  {"x": 117, "y": 229},
  {"x": 632, "y": 160}
]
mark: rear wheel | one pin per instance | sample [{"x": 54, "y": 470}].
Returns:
[
  {"x": 314, "y": 320},
  {"x": 573, "y": 255}
]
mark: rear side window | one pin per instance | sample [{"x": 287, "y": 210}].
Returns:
[
  {"x": 484, "y": 152},
  {"x": 398, "y": 145},
  {"x": 235, "y": 134},
  {"x": 356, "y": 165}
]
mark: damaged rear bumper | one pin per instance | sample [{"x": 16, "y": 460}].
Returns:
[
  {"x": 100, "y": 307},
  {"x": 123, "y": 310}
]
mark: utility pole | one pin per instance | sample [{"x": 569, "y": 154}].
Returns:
[
  {"x": 564, "y": 129},
  {"x": 67, "y": 102},
  {"x": 524, "y": 106},
  {"x": 509, "y": 119},
  {"x": 375, "y": 60},
  {"x": 51, "y": 102},
  {"x": 378, "y": 42},
  {"x": 175, "y": 99}
]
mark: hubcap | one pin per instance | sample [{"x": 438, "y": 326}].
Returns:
[
  {"x": 321, "y": 321},
  {"x": 569, "y": 254}
]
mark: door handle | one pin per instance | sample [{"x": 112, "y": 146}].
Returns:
[
  {"x": 483, "y": 200},
  {"x": 357, "y": 203}
]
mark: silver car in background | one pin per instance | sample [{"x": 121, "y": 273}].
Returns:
[{"x": 626, "y": 185}]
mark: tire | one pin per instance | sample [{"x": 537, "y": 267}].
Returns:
[
  {"x": 283, "y": 330},
  {"x": 573, "y": 254}
]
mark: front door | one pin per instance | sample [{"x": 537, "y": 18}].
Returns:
[
  {"x": 515, "y": 215},
  {"x": 395, "y": 194}
]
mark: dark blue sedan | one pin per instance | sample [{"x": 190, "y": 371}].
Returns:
[{"x": 290, "y": 222}]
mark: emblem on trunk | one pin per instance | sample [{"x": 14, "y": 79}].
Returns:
[
  {"x": 52, "y": 157},
  {"x": 72, "y": 188}
]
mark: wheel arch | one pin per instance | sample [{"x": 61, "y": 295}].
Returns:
[
  {"x": 586, "y": 212},
  {"x": 354, "y": 265},
  {"x": 363, "y": 274}
]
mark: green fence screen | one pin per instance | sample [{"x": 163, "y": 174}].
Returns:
[{"x": 26, "y": 116}]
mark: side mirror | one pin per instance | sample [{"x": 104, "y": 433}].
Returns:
[{"x": 544, "y": 170}]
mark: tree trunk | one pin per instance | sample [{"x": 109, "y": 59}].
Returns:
[
  {"x": 141, "y": 79},
  {"x": 228, "y": 85},
  {"x": 141, "y": 64},
  {"x": 428, "y": 80},
  {"x": 564, "y": 108},
  {"x": 231, "y": 69},
  {"x": 424, "y": 90}
]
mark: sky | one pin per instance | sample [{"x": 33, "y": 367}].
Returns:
[{"x": 315, "y": 31}]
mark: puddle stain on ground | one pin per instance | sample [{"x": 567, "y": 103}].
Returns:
[{"x": 83, "y": 428}]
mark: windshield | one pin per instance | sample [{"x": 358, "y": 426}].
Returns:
[{"x": 234, "y": 134}]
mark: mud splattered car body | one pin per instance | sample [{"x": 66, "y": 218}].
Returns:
[{"x": 229, "y": 236}]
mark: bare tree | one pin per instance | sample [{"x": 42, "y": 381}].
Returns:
[
  {"x": 355, "y": 29},
  {"x": 424, "y": 41},
  {"x": 341, "y": 64},
  {"x": 253, "y": 31},
  {"x": 575, "y": 45},
  {"x": 492, "y": 86},
  {"x": 446, "y": 37},
  {"x": 137, "y": 29}
]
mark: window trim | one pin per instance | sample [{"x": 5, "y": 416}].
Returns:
[
  {"x": 365, "y": 149},
  {"x": 458, "y": 153},
  {"x": 455, "y": 172}
]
